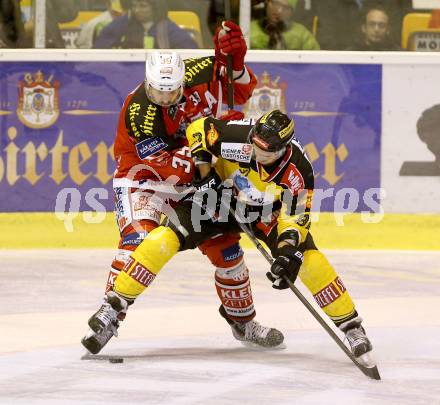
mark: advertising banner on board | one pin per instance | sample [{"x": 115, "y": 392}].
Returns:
[{"x": 58, "y": 122}]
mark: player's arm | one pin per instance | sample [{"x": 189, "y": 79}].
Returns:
[
  {"x": 293, "y": 223},
  {"x": 229, "y": 40}
]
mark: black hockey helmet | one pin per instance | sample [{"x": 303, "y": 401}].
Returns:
[{"x": 273, "y": 131}]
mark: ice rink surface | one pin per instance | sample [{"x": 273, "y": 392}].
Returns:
[{"x": 178, "y": 350}]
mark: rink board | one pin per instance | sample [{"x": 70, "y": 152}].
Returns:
[
  {"x": 356, "y": 114},
  {"x": 59, "y": 120},
  {"x": 352, "y": 231}
]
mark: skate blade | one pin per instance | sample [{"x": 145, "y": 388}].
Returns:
[
  {"x": 367, "y": 360},
  {"x": 368, "y": 366},
  {"x": 257, "y": 347}
]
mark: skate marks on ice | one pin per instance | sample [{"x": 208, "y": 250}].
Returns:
[
  {"x": 218, "y": 370},
  {"x": 192, "y": 358}
]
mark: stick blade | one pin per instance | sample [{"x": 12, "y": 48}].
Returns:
[{"x": 368, "y": 366}]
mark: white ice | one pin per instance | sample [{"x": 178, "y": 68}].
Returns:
[{"x": 178, "y": 350}]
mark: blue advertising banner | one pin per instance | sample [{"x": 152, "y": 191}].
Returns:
[{"x": 58, "y": 122}]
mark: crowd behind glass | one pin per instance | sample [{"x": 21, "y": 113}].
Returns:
[{"x": 373, "y": 25}]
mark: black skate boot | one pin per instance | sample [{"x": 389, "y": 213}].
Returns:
[
  {"x": 253, "y": 332},
  {"x": 355, "y": 334},
  {"x": 104, "y": 323},
  {"x": 94, "y": 342}
]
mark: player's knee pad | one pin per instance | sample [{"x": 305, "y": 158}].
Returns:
[
  {"x": 118, "y": 264},
  {"x": 146, "y": 261},
  {"x": 223, "y": 251},
  {"x": 133, "y": 235},
  {"x": 129, "y": 241},
  {"x": 234, "y": 290},
  {"x": 327, "y": 288}
]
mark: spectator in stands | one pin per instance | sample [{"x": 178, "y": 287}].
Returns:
[
  {"x": 278, "y": 30},
  {"x": 396, "y": 10},
  {"x": 92, "y": 28},
  {"x": 375, "y": 32},
  {"x": 11, "y": 26},
  {"x": 146, "y": 25},
  {"x": 338, "y": 22},
  {"x": 58, "y": 11}
]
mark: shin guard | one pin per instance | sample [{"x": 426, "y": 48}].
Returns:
[
  {"x": 319, "y": 276},
  {"x": 147, "y": 260},
  {"x": 234, "y": 290}
]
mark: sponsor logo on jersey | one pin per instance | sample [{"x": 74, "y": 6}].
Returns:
[
  {"x": 38, "y": 102},
  {"x": 240, "y": 152},
  {"x": 147, "y": 125},
  {"x": 293, "y": 179},
  {"x": 194, "y": 67},
  {"x": 122, "y": 210},
  {"x": 133, "y": 239},
  {"x": 248, "y": 192},
  {"x": 212, "y": 135},
  {"x": 232, "y": 253},
  {"x": 303, "y": 220},
  {"x": 145, "y": 206},
  {"x": 149, "y": 146}
]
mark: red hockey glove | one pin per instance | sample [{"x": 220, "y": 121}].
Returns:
[
  {"x": 232, "y": 115},
  {"x": 229, "y": 40}
]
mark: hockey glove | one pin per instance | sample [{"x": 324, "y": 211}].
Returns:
[
  {"x": 205, "y": 188},
  {"x": 229, "y": 40},
  {"x": 287, "y": 263},
  {"x": 212, "y": 180}
]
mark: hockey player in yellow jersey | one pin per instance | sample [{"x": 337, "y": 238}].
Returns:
[{"x": 272, "y": 190}]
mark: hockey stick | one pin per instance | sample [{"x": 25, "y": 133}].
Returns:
[
  {"x": 369, "y": 371},
  {"x": 229, "y": 70}
]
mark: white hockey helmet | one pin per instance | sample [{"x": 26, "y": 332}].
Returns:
[{"x": 164, "y": 77}]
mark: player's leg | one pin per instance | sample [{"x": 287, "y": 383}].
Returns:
[
  {"x": 140, "y": 270},
  {"x": 328, "y": 290},
  {"x": 137, "y": 214},
  {"x": 234, "y": 290},
  {"x": 320, "y": 277}
]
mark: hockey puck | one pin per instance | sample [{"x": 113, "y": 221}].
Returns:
[{"x": 116, "y": 360}]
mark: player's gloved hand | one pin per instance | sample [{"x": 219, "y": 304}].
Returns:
[
  {"x": 287, "y": 263},
  {"x": 232, "y": 115},
  {"x": 229, "y": 40},
  {"x": 209, "y": 192},
  {"x": 212, "y": 180}
]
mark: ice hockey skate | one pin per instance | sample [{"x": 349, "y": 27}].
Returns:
[
  {"x": 253, "y": 334},
  {"x": 104, "y": 323},
  {"x": 357, "y": 339}
]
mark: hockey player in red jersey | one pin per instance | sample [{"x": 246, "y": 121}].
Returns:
[
  {"x": 150, "y": 141},
  {"x": 150, "y": 147}
]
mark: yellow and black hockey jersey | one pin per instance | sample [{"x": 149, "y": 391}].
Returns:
[{"x": 290, "y": 180}]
